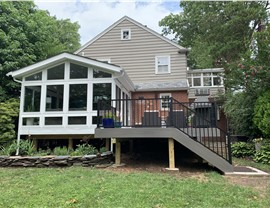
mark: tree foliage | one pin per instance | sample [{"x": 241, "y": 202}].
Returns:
[
  {"x": 239, "y": 109},
  {"x": 9, "y": 111},
  {"x": 251, "y": 76},
  {"x": 262, "y": 113},
  {"x": 28, "y": 35},
  {"x": 235, "y": 36},
  {"x": 217, "y": 32}
]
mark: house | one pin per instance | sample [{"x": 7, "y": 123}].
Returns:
[{"x": 135, "y": 74}]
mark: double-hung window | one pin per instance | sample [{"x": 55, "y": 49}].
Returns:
[
  {"x": 163, "y": 64},
  {"x": 165, "y": 100}
]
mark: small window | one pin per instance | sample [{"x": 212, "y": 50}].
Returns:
[
  {"x": 125, "y": 34},
  {"x": 196, "y": 81},
  {"x": 162, "y": 64},
  {"x": 56, "y": 72},
  {"x": 100, "y": 74},
  {"x": 78, "y": 72},
  {"x": 77, "y": 120},
  {"x": 31, "y": 121},
  {"x": 34, "y": 77},
  {"x": 53, "y": 121},
  {"x": 165, "y": 100},
  {"x": 217, "y": 81}
]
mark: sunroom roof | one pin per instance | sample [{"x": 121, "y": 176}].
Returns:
[{"x": 60, "y": 58}]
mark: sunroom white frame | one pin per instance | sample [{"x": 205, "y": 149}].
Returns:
[{"x": 119, "y": 77}]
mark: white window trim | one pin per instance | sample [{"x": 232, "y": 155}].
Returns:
[
  {"x": 202, "y": 83},
  {"x": 129, "y": 34},
  {"x": 169, "y": 64}
]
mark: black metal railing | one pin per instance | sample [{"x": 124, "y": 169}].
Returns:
[{"x": 198, "y": 120}]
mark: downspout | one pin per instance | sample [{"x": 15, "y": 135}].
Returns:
[{"x": 18, "y": 136}]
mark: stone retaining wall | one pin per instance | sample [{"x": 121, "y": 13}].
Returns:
[{"x": 56, "y": 161}]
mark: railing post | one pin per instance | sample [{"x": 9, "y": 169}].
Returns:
[
  {"x": 171, "y": 111},
  {"x": 98, "y": 113},
  {"x": 228, "y": 138}
]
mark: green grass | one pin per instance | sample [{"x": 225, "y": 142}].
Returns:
[
  {"x": 85, "y": 187},
  {"x": 250, "y": 162}
]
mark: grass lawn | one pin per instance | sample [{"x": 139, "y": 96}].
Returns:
[{"x": 85, "y": 187}]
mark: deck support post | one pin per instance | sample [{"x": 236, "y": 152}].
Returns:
[
  {"x": 107, "y": 145},
  {"x": 70, "y": 143},
  {"x": 171, "y": 155},
  {"x": 117, "y": 153}
]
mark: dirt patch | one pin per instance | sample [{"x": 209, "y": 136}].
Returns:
[{"x": 189, "y": 169}]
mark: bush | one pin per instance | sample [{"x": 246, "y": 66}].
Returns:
[
  {"x": 26, "y": 147},
  {"x": 42, "y": 152},
  {"x": 263, "y": 155},
  {"x": 61, "y": 151},
  {"x": 103, "y": 149},
  {"x": 243, "y": 149},
  {"x": 85, "y": 149}
]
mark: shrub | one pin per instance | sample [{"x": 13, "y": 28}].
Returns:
[
  {"x": 3, "y": 150},
  {"x": 263, "y": 155},
  {"x": 243, "y": 149},
  {"x": 26, "y": 147},
  {"x": 103, "y": 149},
  {"x": 61, "y": 151},
  {"x": 85, "y": 149},
  {"x": 42, "y": 152}
]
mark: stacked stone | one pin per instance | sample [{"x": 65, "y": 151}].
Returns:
[{"x": 57, "y": 161}]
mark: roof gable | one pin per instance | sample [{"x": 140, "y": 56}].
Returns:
[
  {"x": 60, "y": 58},
  {"x": 137, "y": 24}
]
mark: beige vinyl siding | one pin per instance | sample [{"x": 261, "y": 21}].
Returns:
[
  {"x": 213, "y": 92},
  {"x": 137, "y": 55}
]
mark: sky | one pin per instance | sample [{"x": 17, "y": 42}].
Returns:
[{"x": 94, "y": 16}]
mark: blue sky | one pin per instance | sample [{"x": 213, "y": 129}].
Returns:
[{"x": 94, "y": 16}]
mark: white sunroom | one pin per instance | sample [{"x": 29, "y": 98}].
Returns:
[{"x": 59, "y": 95}]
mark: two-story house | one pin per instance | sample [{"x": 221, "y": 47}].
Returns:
[{"x": 141, "y": 75}]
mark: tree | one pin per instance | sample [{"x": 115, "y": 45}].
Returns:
[
  {"x": 262, "y": 113},
  {"x": 28, "y": 35},
  {"x": 216, "y": 32},
  {"x": 9, "y": 111}
]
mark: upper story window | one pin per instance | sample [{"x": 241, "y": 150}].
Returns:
[
  {"x": 78, "y": 72},
  {"x": 34, "y": 77},
  {"x": 208, "y": 79},
  {"x": 163, "y": 64},
  {"x": 57, "y": 72},
  {"x": 125, "y": 34}
]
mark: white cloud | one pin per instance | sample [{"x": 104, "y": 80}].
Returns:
[{"x": 96, "y": 16}]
